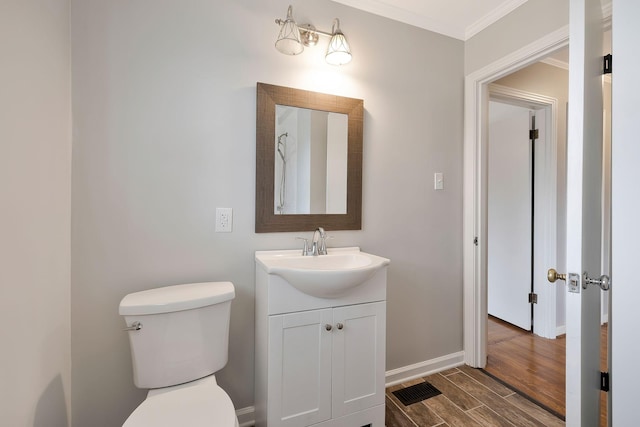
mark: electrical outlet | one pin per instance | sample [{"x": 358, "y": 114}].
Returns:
[{"x": 224, "y": 220}]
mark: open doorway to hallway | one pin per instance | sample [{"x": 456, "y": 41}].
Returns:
[{"x": 521, "y": 359}]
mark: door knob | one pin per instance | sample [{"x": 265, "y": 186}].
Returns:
[
  {"x": 603, "y": 281},
  {"x": 553, "y": 275}
]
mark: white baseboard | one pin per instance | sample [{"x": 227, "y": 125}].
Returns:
[
  {"x": 561, "y": 330},
  {"x": 422, "y": 369},
  {"x": 246, "y": 416}
]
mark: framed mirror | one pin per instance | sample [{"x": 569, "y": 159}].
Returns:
[{"x": 308, "y": 160}]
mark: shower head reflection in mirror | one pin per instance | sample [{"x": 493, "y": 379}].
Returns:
[{"x": 282, "y": 149}]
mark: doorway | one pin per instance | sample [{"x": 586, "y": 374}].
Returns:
[
  {"x": 474, "y": 189},
  {"x": 527, "y": 356},
  {"x": 531, "y": 359},
  {"x": 481, "y": 94},
  {"x": 479, "y": 90},
  {"x": 474, "y": 212}
]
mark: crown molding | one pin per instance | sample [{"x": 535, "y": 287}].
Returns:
[
  {"x": 556, "y": 63},
  {"x": 496, "y": 14},
  {"x": 456, "y": 31}
]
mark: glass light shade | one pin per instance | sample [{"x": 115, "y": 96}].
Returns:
[
  {"x": 289, "y": 41},
  {"x": 338, "y": 51}
]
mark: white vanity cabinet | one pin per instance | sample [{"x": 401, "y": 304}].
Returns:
[
  {"x": 324, "y": 364},
  {"x": 320, "y": 361}
]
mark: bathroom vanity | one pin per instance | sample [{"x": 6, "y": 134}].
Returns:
[{"x": 320, "y": 339}]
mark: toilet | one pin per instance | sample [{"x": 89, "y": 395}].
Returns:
[{"x": 179, "y": 337}]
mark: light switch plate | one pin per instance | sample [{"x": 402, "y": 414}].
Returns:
[{"x": 438, "y": 181}]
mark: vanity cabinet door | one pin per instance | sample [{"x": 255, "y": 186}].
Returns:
[
  {"x": 358, "y": 357},
  {"x": 299, "y": 368}
]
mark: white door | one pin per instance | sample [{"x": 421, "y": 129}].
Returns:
[
  {"x": 299, "y": 368},
  {"x": 584, "y": 175},
  {"x": 358, "y": 357},
  {"x": 625, "y": 292},
  {"x": 510, "y": 214}
]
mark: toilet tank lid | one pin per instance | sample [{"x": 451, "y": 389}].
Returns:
[{"x": 176, "y": 298}]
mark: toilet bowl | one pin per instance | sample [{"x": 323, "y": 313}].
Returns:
[
  {"x": 199, "y": 403},
  {"x": 179, "y": 337}
]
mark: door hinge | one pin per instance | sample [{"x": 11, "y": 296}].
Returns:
[
  {"x": 533, "y": 298},
  {"x": 533, "y": 134},
  {"x": 604, "y": 381},
  {"x": 608, "y": 64}
]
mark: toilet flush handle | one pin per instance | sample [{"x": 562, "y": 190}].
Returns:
[{"x": 135, "y": 326}]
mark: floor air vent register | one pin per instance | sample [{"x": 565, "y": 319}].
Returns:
[{"x": 416, "y": 393}]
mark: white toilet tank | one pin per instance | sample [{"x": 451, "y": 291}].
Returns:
[{"x": 183, "y": 335}]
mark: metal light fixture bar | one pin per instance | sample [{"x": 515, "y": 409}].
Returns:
[
  {"x": 293, "y": 38},
  {"x": 308, "y": 33}
]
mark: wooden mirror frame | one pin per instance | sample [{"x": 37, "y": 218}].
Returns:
[{"x": 268, "y": 96}]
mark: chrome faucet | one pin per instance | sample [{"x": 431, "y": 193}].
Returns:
[{"x": 318, "y": 243}]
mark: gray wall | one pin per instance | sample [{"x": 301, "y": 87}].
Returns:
[
  {"x": 164, "y": 132},
  {"x": 548, "y": 80},
  {"x": 35, "y": 190},
  {"x": 526, "y": 24}
]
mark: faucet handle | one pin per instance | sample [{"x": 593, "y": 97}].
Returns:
[{"x": 305, "y": 250}]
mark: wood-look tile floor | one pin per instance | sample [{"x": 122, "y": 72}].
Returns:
[{"x": 469, "y": 398}]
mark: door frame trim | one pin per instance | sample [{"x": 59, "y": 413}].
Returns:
[
  {"x": 546, "y": 205},
  {"x": 476, "y": 100}
]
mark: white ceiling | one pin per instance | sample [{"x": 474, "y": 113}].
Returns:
[{"x": 460, "y": 19}]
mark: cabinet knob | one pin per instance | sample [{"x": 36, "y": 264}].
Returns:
[
  {"x": 328, "y": 327},
  {"x": 340, "y": 326}
]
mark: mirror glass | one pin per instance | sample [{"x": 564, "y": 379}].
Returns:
[{"x": 308, "y": 160}]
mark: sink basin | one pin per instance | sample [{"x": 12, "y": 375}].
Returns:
[{"x": 322, "y": 276}]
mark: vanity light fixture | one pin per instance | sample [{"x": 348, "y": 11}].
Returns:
[{"x": 293, "y": 38}]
